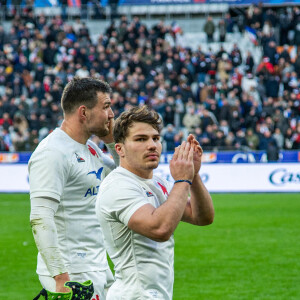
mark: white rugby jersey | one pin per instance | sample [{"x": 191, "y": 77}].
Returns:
[
  {"x": 143, "y": 267},
  {"x": 71, "y": 173}
]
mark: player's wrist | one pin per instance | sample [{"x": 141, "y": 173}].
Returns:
[
  {"x": 62, "y": 277},
  {"x": 183, "y": 181}
]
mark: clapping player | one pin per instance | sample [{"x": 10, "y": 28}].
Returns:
[{"x": 139, "y": 211}]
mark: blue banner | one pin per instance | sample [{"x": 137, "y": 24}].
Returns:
[
  {"x": 240, "y": 157},
  {"x": 230, "y": 2},
  {"x": 57, "y": 3},
  {"x": 47, "y": 3},
  {"x": 208, "y": 157}
]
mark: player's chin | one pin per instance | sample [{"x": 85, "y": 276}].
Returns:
[
  {"x": 152, "y": 164},
  {"x": 103, "y": 132}
]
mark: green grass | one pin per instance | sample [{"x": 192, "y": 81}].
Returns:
[{"x": 251, "y": 251}]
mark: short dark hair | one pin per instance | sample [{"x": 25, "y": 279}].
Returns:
[
  {"x": 136, "y": 114},
  {"x": 82, "y": 91}
]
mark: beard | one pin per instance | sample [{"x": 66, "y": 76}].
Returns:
[{"x": 100, "y": 132}]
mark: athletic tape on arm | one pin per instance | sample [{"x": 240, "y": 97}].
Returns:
[{"x": 45, "y": 233}]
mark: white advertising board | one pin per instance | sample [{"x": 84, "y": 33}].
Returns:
[
  {"x": 218, "y": 178},
  {"x": 14, "y": 178},
  {"x": 261, "y": 177}
]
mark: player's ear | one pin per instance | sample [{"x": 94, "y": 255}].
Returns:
[
  {"x": 120, "y": 149},
  {"x": 82, "y": 112}
]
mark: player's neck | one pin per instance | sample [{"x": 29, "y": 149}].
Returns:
[
  {"x": 74, "y": 131},
  {"x": 143, "y": 173}
]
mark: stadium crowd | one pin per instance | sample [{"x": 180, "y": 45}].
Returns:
[{"x": 224, "y": 98}]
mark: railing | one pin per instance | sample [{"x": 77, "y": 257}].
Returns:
[
  {"x": 211, "y": 157},
  {"x": 96, "y": 11},
  {"x": 87, "y": 12}
]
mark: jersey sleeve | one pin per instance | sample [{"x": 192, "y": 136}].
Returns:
[
  {"x": 107, "y": 161},
  {"x": 122, "y": 200},
  {"x": 111, "y": 149},
  {"x": 48, "y": 171}
]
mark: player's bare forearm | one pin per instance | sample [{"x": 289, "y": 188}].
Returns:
[
  {"x": 60, "y": 280},
  {"x": 159, "y": 223},
  {"x": 199, "y": 210}
]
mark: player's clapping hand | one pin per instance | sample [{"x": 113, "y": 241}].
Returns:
[
  {"x": 181, "y": 165},
  {"x": 197, "y": 153}
]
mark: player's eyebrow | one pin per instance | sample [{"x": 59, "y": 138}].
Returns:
[{"x": 146, "y": 135}]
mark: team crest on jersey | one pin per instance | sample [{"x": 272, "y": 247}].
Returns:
[
  {"x": 79, "y": 159},
  {"x": 149, "y": 194}
]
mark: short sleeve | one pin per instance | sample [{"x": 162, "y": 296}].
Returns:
[
  {"x": 107, "y": 161},
  {"x": 48, "y": 171},
  {"x": 122, "y": 200}
]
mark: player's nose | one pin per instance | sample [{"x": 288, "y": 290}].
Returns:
[
  {"x": 111, "y": 113},
  {"x": 152, "y": 144}
]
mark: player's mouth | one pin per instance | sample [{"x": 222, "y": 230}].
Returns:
[{"x": 152, "y": 156}]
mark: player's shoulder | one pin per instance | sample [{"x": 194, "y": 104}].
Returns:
[
  {"x": 56, "y": 144},
  {"x": 118, "y": 178},
  {"x": 94, "y": 148},
  {"x": 160, "y": 179},
  {"x": 117, "y": 186}
]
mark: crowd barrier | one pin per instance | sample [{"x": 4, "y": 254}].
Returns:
[
  {"x": 240, "y": 174},
  {"x": 208, "y": 157}
]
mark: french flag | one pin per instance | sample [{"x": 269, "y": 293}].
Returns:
[
  {"x": 252, "y": 35},
  {"x": 175, "y": 28}
]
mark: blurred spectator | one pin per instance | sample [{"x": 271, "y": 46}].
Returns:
[
  {"x": 279, "y": 138},
  {"x": 240, "y": 142},
  {"x": 252, "y": 139},
  {"x": 3, "y": 146},
  {"x": 169, "y": 138},
  {"x": 219, "y": 142},
  {"x": 272, "y": 151},
  {"x": 191, "y": 120},
  {"x": 222, "y": 30},
  {"x": 209, "y": 29}
]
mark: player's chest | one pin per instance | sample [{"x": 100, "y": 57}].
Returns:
[{"x": 86, "y": 170}]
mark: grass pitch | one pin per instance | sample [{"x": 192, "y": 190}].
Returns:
[{"x": 251, "y": 251}]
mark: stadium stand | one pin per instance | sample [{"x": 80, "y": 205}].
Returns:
[{"x": 240, "y": 94}]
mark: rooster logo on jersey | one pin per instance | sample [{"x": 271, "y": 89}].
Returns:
[
  {"x": 93, "y": 151},
  {"x": 163, "y": 188}
]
